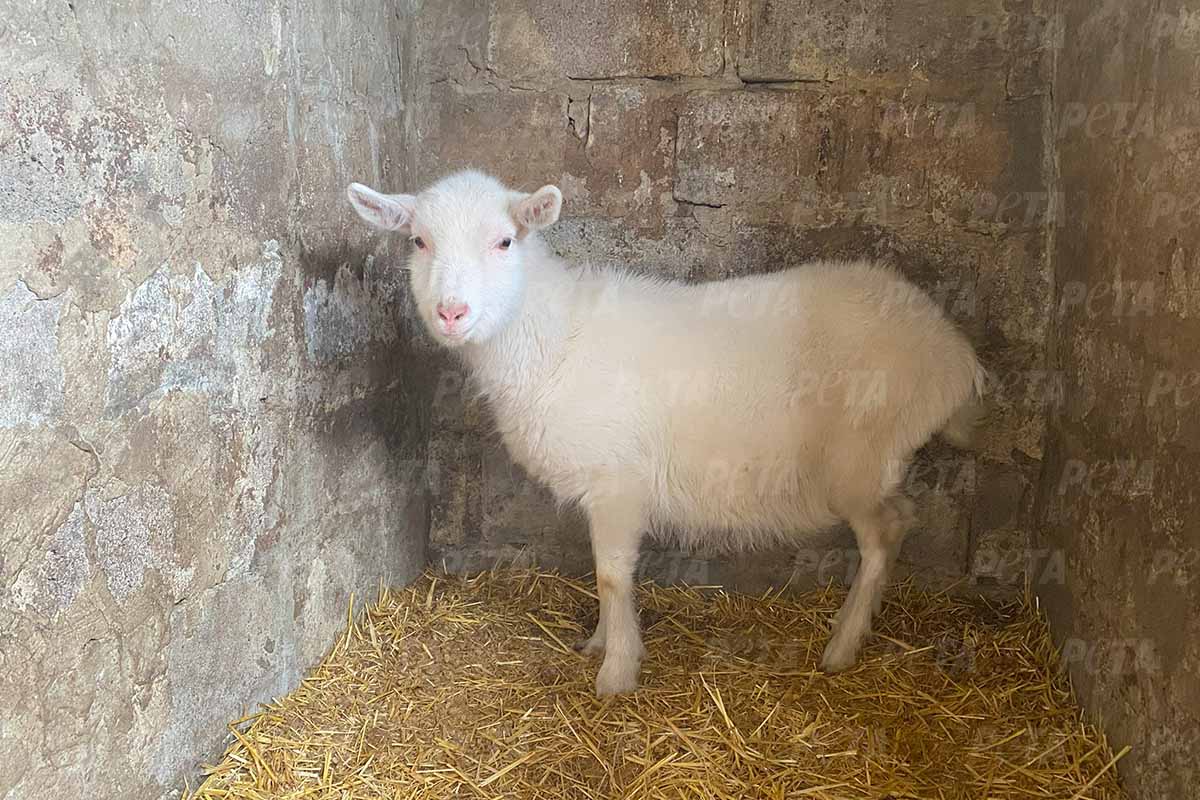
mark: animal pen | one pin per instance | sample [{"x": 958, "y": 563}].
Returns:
[{"x": 262, "y": 538}]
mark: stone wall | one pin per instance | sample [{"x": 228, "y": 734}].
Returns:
[
  {"x": 208, "y": 406},
  {"x": 703, "y": 139},
  {"x": 1119, "y": 563}
]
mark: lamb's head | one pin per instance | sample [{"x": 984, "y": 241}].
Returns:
[{"x": 470, "y": 235}]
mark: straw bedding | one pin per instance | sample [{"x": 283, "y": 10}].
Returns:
[{"x": 457, "y": 687}]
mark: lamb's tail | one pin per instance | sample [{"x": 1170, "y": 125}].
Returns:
[{"x": 965, "y": 421}]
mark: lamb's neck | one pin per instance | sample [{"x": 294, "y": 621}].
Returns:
[{"x": 524, "y": 356}]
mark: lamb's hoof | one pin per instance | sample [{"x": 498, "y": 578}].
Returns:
[
  {"x": 838, "y": 616},
  {"x": 839, "y": 656},
  {"x": 617, "y": 678},
  {"x": 589, "y": 647}
]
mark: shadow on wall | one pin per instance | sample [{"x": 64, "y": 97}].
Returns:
[{"x": 357, "y": 299}]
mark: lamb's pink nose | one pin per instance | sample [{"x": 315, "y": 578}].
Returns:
[{"x": 452, "y": 313}]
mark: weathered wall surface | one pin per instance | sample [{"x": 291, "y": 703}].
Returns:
[
  {"x": 1118, "y": 496},
  {"x": 704, "y": 139},
  {"x": 207, "y": 409}
]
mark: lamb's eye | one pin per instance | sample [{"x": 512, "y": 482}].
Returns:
[
  {"x": 418, "y": 242},
  {"x": 505, "y": 243}
]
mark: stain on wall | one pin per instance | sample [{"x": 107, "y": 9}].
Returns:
[
  {"x": 209, "y": 406},
  {"x": 1118, "y": 497},
  {"x": 704, "y": 140}
]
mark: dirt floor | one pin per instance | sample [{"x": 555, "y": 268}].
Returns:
[{"x": 458, "y": 687}]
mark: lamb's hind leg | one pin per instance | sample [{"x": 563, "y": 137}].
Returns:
[
  {"x": 594, "y": 644},
  {"x": 900, "y": 516},
  {"x": 880, "y": 533}
]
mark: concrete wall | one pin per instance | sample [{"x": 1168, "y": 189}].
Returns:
[
  {"x": 706, "y": 138},
  {"x": 208, "y": 409},
  {"x": 1120, "y": 558}
]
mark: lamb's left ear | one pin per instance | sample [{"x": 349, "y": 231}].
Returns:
[
  {"x": 391, "y": 212},
  {"x": 539, "y": 210}
]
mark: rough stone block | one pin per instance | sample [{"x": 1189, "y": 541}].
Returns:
[
  {"x": 508, "y": 134},
  {"x": 41, "y": 479},
  {"x": 681, "y": 251},
  {"x": 627, "y": 38},
  {"x": 761, "y": 147},
  {"x": 938, "y": 546},
  {"x": 453, "y": 482},
  {"x": 248, "y": 654},
  {"x": 28, "y": 346},
  {"x": 825, "y": 40},
  {"x": 1001, "y": 525},
  {"x": 820, "y": 150},
  {"x": 452, "y": 37},
  {"x": 625, "y": 169},
  {"x": 1027, "y": 76}
]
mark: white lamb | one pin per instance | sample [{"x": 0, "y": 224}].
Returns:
[{"x": 734, "y": 413}]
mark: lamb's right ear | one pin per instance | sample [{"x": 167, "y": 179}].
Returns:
[{"x": 391, "y": 212}]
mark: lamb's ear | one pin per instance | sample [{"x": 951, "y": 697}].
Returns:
[
  {"x": 391, "y": 212},
  {"x": 539, "y": 210}
]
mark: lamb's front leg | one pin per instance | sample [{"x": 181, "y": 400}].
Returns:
[{"x": 616, "y": 526}]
